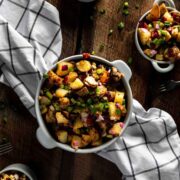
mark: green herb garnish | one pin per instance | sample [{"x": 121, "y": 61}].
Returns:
[
  {"x": 49, "y": 95},
  {"x": 125, "y": 12},
  {"x": 167, "y": 23},
  {"x": 121, "y": 25},
  {"x": 45, "y": 76},
  {"x": 118, "y": 111},
  {"x": 89, "y": 101},
  {"x": 126, "y": 4}
]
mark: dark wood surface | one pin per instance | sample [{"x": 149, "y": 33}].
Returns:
[{"x": 85, "y": 29}]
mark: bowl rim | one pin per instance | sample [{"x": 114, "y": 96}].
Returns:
[
  {"x": 22, "y": 168},
  {"x": 139, "y": 48},
  {"x": 67, "y": 147}
]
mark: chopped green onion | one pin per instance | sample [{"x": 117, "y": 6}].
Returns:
[
  {"x": 93, "y": 53},
  {"x": 121, "y": 25},
  {"x": 130, "y": 60},
  {"x": 69, "y": 108},
  {"x": 118, "y": 111},
  {"x": 150, "y": 26},
  {"x": 71, "y": 69},
  {"x": 49, "y": 95},
  {"x": 73, "y": 100},
  {"x": 125, "y": 12},
  {"x": 56, "y": 106},
  {"x": 126, "y": 4},
  {"x": 62, "y": 86},
  {"x": 167, "y": 23},
  {"x": 89, "y": 101},
  {"x": 45, "y": 76},
  {"x": 124, "y": 102}
]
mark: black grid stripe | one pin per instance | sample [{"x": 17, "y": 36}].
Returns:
[
  {"x": 25, "y": 9},
  {"x": 34, "y": 57},
  {"x": 140, "y": 144},
  {"x": 129, "y": 158},
  {"x": 10, "y": 51},
  {"x": 167, "y": 137},
  {"x": 33, "y": 11},
  {"x": 30, "y": 107},
  {"x": 1, "y": 2},
  {"x": 30, "y": 73},
  {"x": 3, "y": 23},
  {"x": 17, "y": 85},
  {"x": 35, "y": 20},
  {"x": 32, "y": 39},
  {"x": 152, "y": 169},
  {"x": 55, "y": 36},
  {"x": 16, "y": 48},
  {"x": 146, "y": 143}
]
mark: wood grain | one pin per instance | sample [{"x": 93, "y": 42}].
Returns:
[{"x": 84, "y": 29}]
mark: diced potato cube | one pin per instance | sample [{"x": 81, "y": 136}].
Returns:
[
  {"x": 159, "y": 57},
  {"x": 61, "y": 118},
  {"x": 62, "y": 136},
  {"x": 101, "y": 90},
  {"x": 71, "y": 77},
  {"x": 50, "y": 117},
  {"x": 163, "y": 9},
  {"x": 91, "y": 82},
  {"x": 94, "y": 134},
  {"x": 82, "y": 92},
  {"x": 77, "y": 124},
  {"x": 114, "y": 116},
  {"x": 77, "y": 84},
  {"x": 54, "y": 78},
  {"x": 44, "y": 100},
  {"x": 63, "y": 68},
  {"x": 119, "y": 97},
  {"x": 64, "y": 102},
  {"x": 61, "y": 92},
  {"x": 154, "y": 13},
  {"x": 144, "y": 35},
  {"x": 76, "y": 142},
  {"x": 115, "y": 130},
  {"x": 167, "y": 16},
  {"x": 83, "y": 66},
  {"x": 86, "y": 139}
]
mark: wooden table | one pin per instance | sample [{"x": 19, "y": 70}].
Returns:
[{"x": 84, "y": 28}]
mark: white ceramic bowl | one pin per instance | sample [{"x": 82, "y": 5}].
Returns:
[
  {"x": 43, "y": 134},
  {"x": 155, "y": 63},
  {"x": 20, "y": 168}
]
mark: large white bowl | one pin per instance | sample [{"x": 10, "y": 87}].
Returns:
[{"x": 43, "y": 134}]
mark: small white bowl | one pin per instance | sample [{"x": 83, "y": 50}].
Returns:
[
  {"x": 155, "y": 63},
  {"x": 43, "y": 135},
  {"x": 20, "y": 168}
]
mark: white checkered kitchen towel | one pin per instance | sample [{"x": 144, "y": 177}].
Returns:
[{"x": 30, "y": 42}]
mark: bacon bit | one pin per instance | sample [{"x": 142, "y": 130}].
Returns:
[
  {"x": 143, "y": 25},
  {"x": 86, "y": 55},
  {"x": 164, "y": 19},
  {"x": 66, "y": 79},
  {"x": 121, "y": 124},
  {"x": 75, "y": 144},
  {"x": 117, "y": 105},
  {"x": 155, "y": 34},
  {"x": 64, "y": 68}
]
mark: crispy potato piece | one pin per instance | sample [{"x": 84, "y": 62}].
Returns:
[
  {"x": 63, "y": 68},
  {"x": 119, "y": 97},
  {"x": 115, "y": 130},
  {"x": 61, "y": 92},
  {"x": 54, "y": 78},
  {"x": 82, "y": 92},
  {"x": 167, "y": 16},
  {"x": 144, "y": 35},
  {"x": 154, "y": 13},
  {"x": 61, "y": 119},
  {"x": 114, "y": 116},
  {"x": 44, "y": 100},
  {"x": 94, "y": 134},
  {"x": 86, "y": 139},
  {"x": 64, "y": 101},
  {"x": 76, "y": 142},
  {"x": 101, "y": 90},
  {"x": 77, "y": 84},
  {"x": 71, "y": 77},
  {"x": 97, "y": 143},
  {"x": 163, "y": 9},
  {"x": 50, "y": 117},
  {"x": 77, "y": 124},
  {"x": 62, "y": 136},
  {"x": 83, "y": 66}
]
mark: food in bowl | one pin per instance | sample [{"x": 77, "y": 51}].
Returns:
[
  {"x": 83, "y": 103},
  {"x": 13, "y": 175},
  {"x": 159, "y": 34}
]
